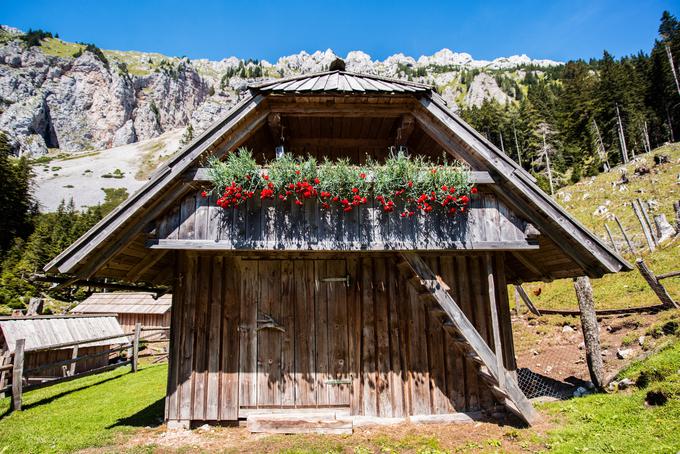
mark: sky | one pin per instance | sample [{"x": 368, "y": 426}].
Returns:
[{"x": 552, "y": 29}]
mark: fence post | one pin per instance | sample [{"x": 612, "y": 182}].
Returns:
[
  {"x": 135, "y": 346},
  {"x": 18, "y": 374},
  {"x": 645, "y": 230},
  {"x": 74, "y": 355},
  {"x": 611, "y": 238},
  {"x": 591, "y": 336},
  {"x": 625, "y": 237}
]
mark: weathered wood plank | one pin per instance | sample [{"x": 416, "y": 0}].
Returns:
[
  {"x": 382, "y": 349},
  {"x": 305, "y": 360},
  {"x": 201, "y": 300},
  {"x": 268, "y": 336},
  {"x": 322, "y": 423},
  {"x": 248, "y": 329},
  {"x": 185, "y": 378},
  {"x": 321, "y": 332},
  {"x": 338, "y": 326},
  {"x": 231, "y": 308},
  {"x": 395, "y": 375},
  {"x": 368, "y": 369},
  {"x": 212, "y": 390},
  {"x": 287, "y": 321}
]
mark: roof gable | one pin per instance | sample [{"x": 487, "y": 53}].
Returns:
[{"x": 90, "y": 252}]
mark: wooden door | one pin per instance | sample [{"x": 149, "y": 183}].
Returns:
[{"x": 294, "y": 334}]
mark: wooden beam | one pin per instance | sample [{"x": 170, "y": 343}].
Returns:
[
  {"x": 495, "y": 327},
  {"x": 341, "y": 110},
  {"x": 99, "y": 284},
  {"x": 471, "y": 335},
  {"x": 329, "y": 142},
  {"x": 655, "y": 285},
  {"x": 275, "y": 127},
  {"x": 528, "y": 264},
  {"x": 143, "y": 266},
  {"x": 211, "y": 245},
  {"x": 527, "y": 301},
  {"x": 202, "y": 174},
  {"x": 18, "y": 374}
]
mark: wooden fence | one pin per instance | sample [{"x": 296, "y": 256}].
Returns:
[{"x": 19, "y": 374}]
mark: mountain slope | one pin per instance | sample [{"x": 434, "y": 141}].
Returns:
[{"x": 76, "y": 97}]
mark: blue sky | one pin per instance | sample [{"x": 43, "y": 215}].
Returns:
[{"x": 559, "y": 29}]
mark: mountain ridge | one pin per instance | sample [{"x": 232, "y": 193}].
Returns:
[{"x": 75, "y": 97}]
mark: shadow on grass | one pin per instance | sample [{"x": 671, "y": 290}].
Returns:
[
  {"x": 50, "y": 399},
  {"x": 150, "y": 416}
]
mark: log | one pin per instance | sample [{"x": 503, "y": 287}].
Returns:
[
  {"x": 321, "y": 423},
  {"x": 676, "y": 208},
  {"x": 656, "y": 286},
  {"x": 591, "y": 336}
]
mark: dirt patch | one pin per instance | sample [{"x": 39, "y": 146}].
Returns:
[{"x": 402, "y": 438}]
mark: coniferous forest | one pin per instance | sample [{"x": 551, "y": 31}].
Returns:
[
  {"x": 589, "y": 112},
  {"x": 582, "y": 117}
]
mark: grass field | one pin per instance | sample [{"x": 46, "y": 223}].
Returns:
[
  {"x": 88, "y": 412},
  {"x": 120, "y": 412},
  {"x": 582, "y": 199}
]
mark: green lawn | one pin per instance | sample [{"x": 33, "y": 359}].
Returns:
[
  {"x": 87, "y": 412},
  {"x": 622, "y": 422},
  {"x": 96, "y": 412}
]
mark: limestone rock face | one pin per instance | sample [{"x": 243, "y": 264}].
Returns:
[
  {"x": 210, "y": 111},
  {"x": 484, "y": 87}
]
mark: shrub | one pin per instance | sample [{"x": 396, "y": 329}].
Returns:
[{"x": 35, "y": 37}]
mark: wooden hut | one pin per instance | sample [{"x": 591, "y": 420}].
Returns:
[
  {"x": 291, "y": 308},
  {"x": 129, "y": 308},
  {"x": 43, "y": 331}
]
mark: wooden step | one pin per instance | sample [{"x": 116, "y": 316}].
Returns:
[{"x": 297, "y": 423}]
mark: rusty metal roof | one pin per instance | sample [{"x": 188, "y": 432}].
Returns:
[
  {"x": 44, "y": 330},
  {"x": 124, "y": 303}
]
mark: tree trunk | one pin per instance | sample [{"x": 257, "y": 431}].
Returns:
[{"x": 591, "y": 336}]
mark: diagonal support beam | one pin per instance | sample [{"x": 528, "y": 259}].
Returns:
[{"x": 472, "y": 337}]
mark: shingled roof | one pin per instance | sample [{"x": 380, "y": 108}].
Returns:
[{"x": 89, "y": 253}]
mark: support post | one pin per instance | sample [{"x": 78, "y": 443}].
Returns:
[
  {"x": 135, "y": 346},
  {"x": 18, "y": 374},
  {"x": 676, "y": 207},
  {"x": 591, "y": 336},
  {"x": 518, "y": 307},
  {"x": 498, "y": 347},
  {"x": 625, "y": 237},
  {"x": 74, "y": 355}
]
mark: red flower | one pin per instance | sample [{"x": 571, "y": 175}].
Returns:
[
  {"x": 297, "y": 172},
  {"x": 362, "y": 176},
  {"x": 336, "y": 198},
  {"x": 445, "y": 188},
  {"x": 204, "y": 194},
  {"x": 347, "y": 209},
  {"x": 298, "y": 202},
  {"x": 473, "y": 190},
  {"x": 410, "y": 184},
  {"x": 316, "y": 181},
  {"x": 355, "y": 190},
  {"x": 266, "y": 177}
]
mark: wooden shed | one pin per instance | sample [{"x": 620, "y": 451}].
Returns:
[
  {"x": 129, "y": 308},
  {"x": 290, "y": 308},
  {"x": 43, "y": 331}
]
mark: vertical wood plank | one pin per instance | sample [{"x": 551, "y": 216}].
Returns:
[
  {"x": 495, "y": 328},
  {"x": 321, "y": 333},
  {"x": 201, "y": 300},
  {"x": 368, "y": 367},
  {"x": 419, "y": 368},
  {"x": 455, "y": 369},
  {"x": 305, "y": 367},
  {"x": 214, "y": 338},
  {"x": 382, "y": 348},
  {"x": 187, "y": 349},
  {"x": 269, "y": 339},
  {"x": 395, "y": 374},
  {"x": 287, "y": 382},
  {"x": 187, "y": 218},
  {"x": 231, "y": 308},
  {"x": 466, "y": 302},
  {"x": 337, "y": 333},
  {"x": 435, "y": 347},
  {"x": 504, "y": 313},
  {"x": 248, "y": 329},
  {"x": 354, "y": 332}
]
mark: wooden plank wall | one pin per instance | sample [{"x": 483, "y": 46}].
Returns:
[
  {"x": 269, "y": 225},
  {"x": 372, "y": 346},
  {"x": 36, "y": 359},
  {"x": 127, "y": 321}
]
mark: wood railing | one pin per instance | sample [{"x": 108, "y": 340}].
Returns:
[{"x": 19, "y": 374}]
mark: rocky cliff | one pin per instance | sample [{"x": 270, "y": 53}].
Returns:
[{"x": 61, "y": 95}]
